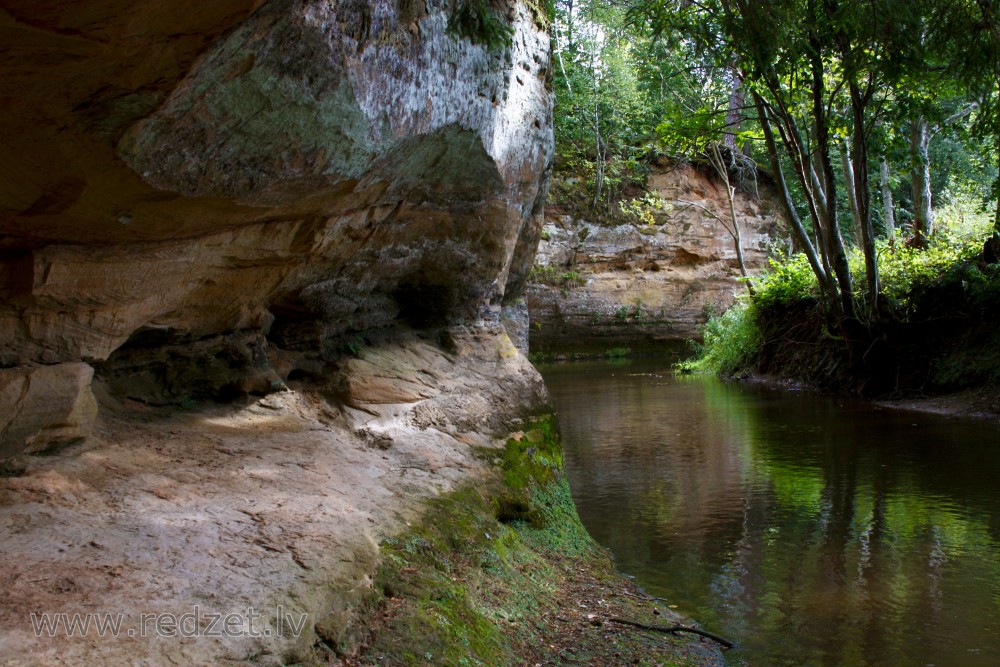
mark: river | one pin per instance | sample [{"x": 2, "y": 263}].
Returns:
[{"x": 811, "y": 529}]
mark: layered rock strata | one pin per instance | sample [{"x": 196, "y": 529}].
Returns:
[
  {"x": 638, "y": 284},
  {"x": 253, "y": 257},
  {"x": 228, "y": 182}
]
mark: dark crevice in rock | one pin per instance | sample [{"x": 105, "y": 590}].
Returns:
[
  {"x": 425, "y": 305},
  {"x": 164, "y": 367}
]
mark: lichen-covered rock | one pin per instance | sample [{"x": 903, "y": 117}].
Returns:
[
  {"x": 300, "y": 168},
  {"x": 516, "y": 321}
]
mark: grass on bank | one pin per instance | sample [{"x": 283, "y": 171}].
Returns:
[{"x": 733, "y": 340}]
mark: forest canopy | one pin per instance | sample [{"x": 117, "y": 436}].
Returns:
[{"x": 866, "y": 116}]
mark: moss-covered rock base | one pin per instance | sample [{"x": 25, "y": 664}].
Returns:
[{"x": 504, "y": 573}]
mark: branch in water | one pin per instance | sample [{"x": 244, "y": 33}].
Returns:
[{"x": 672, "y": 629}]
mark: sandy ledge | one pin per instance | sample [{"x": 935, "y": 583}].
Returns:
[{"x": 281, "y": 502}]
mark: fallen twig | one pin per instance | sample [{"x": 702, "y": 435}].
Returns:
[{"x": 672, "y": 629}]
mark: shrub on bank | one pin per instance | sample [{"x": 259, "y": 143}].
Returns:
[
  {"x": 933, "y": 296},
  {"x": 730, "y": 342}
]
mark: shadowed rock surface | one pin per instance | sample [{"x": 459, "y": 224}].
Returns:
[
  {"x": 313, "y": 211},
  {"x": 296, "y": 168}
]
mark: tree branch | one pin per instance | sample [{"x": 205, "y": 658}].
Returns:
[{"x": 673, "y": 629}]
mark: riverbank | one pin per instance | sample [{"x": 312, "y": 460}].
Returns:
[
  {"x": 933, "y": 345},
  {"x": 979, "y": 403},
  {"x": 384, "y": 511},
  {"x": 503, "y": 573}
]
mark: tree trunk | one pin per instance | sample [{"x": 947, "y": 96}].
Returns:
[
  {"x": 560, "y": 45},
  {"x": 735, "y": 112},
  {"x": 719, "y": 164},
  {"x": 845, "y": 159},
  {"x": 888, "y": 207},
  {"x": 863, "y": 198},
  {"x": 599, "y": 154},
  {"x": 920, "y": 175},
  {"x": 797, "y": 229},
  {"x": 831, "y": 225},
  {"x": 996, "y": 219},
  {"x": 815, "y": 198}
]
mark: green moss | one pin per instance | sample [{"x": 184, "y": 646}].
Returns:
[
  {"x": 479, "y": 561},
  {"x": 533, "y": 460},
  {"x": 492, "y": 570}
]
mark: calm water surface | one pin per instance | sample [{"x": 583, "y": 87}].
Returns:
[{"x": 812, "y": 530}]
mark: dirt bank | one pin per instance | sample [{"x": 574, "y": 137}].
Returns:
[{"x": 979, "y": 403}]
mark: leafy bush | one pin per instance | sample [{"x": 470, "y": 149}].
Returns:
[
  {"x": 961, "y": 227},
  {"x": 732, "y": 339},
  {"x": 642, "y": 210},
  {"x": 730, "y": 342},
  {"x": 786, "y": 282}
]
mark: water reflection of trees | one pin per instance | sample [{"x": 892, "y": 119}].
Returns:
[{"x": 816, "y": 529}]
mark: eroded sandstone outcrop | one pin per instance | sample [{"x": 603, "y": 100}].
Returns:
[
  {"x": 295, "y": 171},
  {"x": 314, "y": 210},
  {"x": 638, "y": 284},
  {"x": 258, "y": 510}
]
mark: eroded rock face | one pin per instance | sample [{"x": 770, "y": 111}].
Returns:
[
  {"x": 271, "y": 178},
  {"x": 275, "y": 506},
  {"x": 632, "y": 285},
  {"x": 45, "y": 406}
]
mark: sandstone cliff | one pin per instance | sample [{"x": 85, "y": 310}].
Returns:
[
  {"x": 205, "y": 202},
  {"x": 194, "y": 198},
  {"x": 599, "y": 286}
]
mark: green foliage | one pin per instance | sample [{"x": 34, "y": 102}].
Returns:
[
  {"x": 555, "y": 276},
  {"x": 482, "y": 22},
  {"x": 605, "y": 113},
  {"x": 642, "y": 210},
  {"x": 542, "y": 357},
  {"x": 617, "y": 352},
  {"x": 730, "y": 342},
  {"x": 961, "y": 228},
  {"x": 786, "y": 282},
  {"x": 542, "y": 11},
  {"x": 546, "y": 274},
  {"x": 625, "y": 315}
]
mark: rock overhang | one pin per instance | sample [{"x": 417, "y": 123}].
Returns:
[{"x": 254, "y": 167}]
